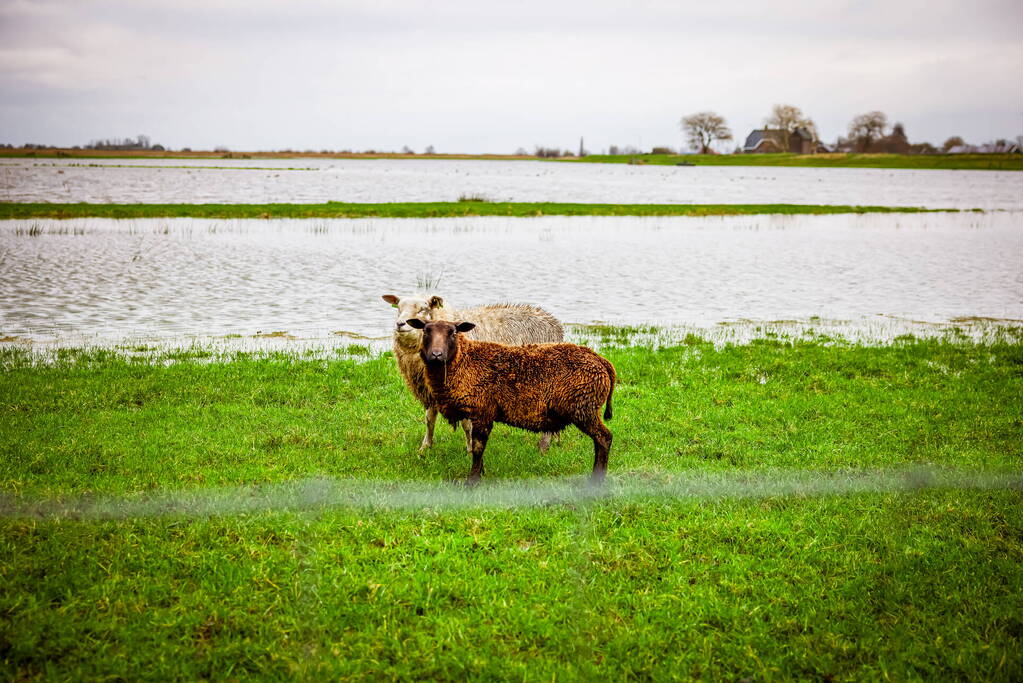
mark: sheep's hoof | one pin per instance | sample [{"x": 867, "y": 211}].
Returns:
[
  {"x": 545, "y": 443},
  {"x": 472, "y": 481},
  {"x": 425, "y": 445}
]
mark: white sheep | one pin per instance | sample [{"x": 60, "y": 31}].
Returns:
[{"x": 515, "y": 324}]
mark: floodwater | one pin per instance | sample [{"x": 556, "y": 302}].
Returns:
[
  {"x": 255, "y": 181},
  {"x": 171, "y": 277}
]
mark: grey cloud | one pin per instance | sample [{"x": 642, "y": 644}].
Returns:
[{"x": 495, "y": 75}]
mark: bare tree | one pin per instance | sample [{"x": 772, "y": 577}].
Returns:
[
  {"x": 703, "y": 128},
  {"x": 787, "y": 118},
  {"x": 141, "y": 142},
  {"x": 865, "y": 129},
  {"x": 896, "y": 142}
]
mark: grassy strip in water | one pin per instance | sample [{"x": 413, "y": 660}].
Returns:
[
  {"x": 860, "y": 586},
  {"x": 11, "y": 210},
  {"x": 998, "y": 162}
]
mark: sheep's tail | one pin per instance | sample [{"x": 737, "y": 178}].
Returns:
[{"x": 611, "y": 376}]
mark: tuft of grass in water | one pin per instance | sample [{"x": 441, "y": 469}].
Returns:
[
  {"x": 469, "y": 207},
  {"x": 356, "y": 350},
  {"x": 899, "y": 582},
  {"x": 604, "y": 335},
  {"x": 429, "y": 280},
  {"x": 32, "y": 230},
  {"x": 277, "y": 334}
]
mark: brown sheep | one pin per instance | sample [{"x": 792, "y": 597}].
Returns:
[
  {"x": 539, "y": 387},
  {"x": 505, "y": 323}
]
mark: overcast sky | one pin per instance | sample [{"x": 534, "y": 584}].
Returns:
[{"x": 479, "y": 76}]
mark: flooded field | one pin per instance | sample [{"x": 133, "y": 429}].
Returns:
[
  {"x": 170, "y": 278},
  {"x": 321, "y": 180}
]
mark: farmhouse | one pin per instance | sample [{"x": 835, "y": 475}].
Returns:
[{"x": 770, "y": 140}]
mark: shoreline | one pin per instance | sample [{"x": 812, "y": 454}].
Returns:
[{"x": 977, "y": 162}]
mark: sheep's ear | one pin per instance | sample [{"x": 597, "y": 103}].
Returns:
[
  {"x": 436, "y": 302},
  {"x": 415, "y": 323},
  {"x": 391, "y": 299},
  {"x": 465, "y": 327}
]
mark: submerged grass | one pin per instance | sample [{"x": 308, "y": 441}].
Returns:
[
  {"x": 790, "y": 581},
  {"x": 466, "y": 206}
]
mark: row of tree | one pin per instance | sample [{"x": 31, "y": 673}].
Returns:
[
  {"x": 141, "y": 142},
  {"x": 869, "y": 132},
  {"x": 705, "y": 128}
]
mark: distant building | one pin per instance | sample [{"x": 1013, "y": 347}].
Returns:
[
  {"x": 769, "y": 140},
  {"x": 990, "y": 148}
]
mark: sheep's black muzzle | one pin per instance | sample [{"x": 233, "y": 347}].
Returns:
[{"x": 434, "y": 356}]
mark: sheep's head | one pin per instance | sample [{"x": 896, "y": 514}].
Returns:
[
  {"x": 422, "y": 306},
  {"x": 440, "y": 339}
]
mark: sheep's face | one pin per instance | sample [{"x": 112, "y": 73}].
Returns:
[
  {"x": 440, "y": 339},
  {"x": 414, "y": 306}
]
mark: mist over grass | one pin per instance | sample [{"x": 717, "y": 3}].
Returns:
[{"x": 321, "y": 493}]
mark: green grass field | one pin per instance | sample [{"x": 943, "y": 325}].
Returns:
[
  {"x": 9, "y": 210},
  {"x": 899, "y": 582}
]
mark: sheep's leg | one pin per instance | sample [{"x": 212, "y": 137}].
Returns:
[
  {"x": 601, "y": 435},
  {"x": 480, "y": 434},
  {"x": 467, "y": 428},
  {"x": 431, "y": 420},
  {"x": 545, "y": 441}
]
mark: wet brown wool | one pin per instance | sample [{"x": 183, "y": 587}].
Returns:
[
  {"x": 539, "y": 387},
  {"x": 504, "y": 323}
]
